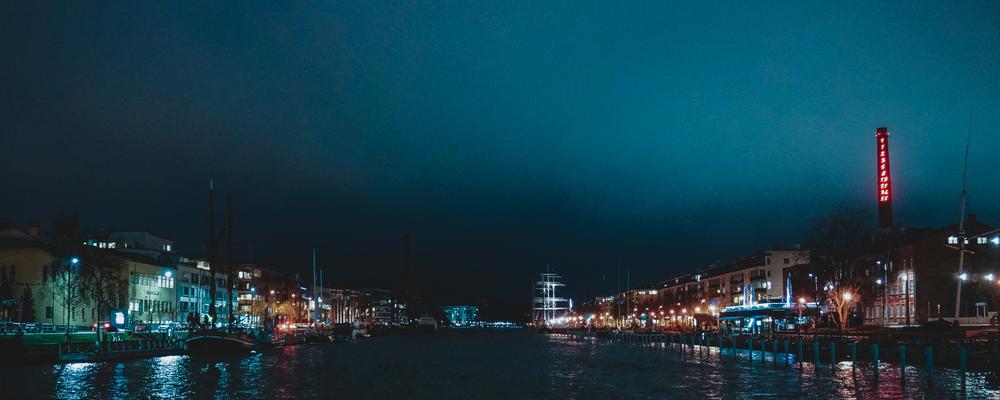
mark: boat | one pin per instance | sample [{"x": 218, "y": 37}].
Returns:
[
  {"x": 210, "y": 342},
  {"x": 427, "y": 323},
  {"x": 343, "y": 332}
]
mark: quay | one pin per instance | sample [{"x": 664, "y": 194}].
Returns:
[{"x": 817, "y": 350}]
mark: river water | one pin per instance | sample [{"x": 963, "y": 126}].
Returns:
[{"x": 490, "y": 365}]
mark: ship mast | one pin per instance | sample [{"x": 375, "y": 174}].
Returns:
[
  {"x": 961, "y": 223},
  {"x": 231, "y": 270},
  {"x": 211, "y": 250}
]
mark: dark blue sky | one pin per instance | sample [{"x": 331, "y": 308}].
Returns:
[{"x": 661, "y": 137}]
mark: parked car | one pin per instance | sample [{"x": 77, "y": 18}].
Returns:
[{"x": 106, "y": 326}]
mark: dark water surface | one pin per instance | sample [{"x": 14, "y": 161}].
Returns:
[{"x": 493, "y": 365}]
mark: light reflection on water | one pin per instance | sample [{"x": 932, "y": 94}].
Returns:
[{"x": 498, "y": 365}]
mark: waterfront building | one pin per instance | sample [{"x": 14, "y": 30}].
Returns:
[
  {"x": 152, "y": 291},
  {"x": 28, "y": 264},
  {"x": 382, "y": 307},
  {"x": 345, "y": 306},
  {"x": 194, "y": 292},
  {"x": 461, "y": 315},
  {"x": 152, "y": 245},
  {"x": 911, "y": 275}
]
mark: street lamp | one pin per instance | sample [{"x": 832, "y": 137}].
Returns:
[
  {"x": 963, "y": 276},
  {"x": 847, "y": 296},
  {"x": 74, "y": 260}
]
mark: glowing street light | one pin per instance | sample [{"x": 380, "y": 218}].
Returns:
[
  {"x": 964, "y": 276},
  {"x": 74, "y": 260},
  {"x": 878, "y": 281},
  {"x": 989, "y": 276},
  {"x": 847, "y": 296},
  {"x": 802, "y": 300}
]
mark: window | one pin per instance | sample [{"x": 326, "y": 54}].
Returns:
[
  {"x": 185, "y": 291},
  {"x": 48, "y": 312},
  {"x": 788, "y": 261},
  {"x": 981, "y": 240},
  {"x": 952, "y": 240},
  {"x": 767, "y": 260}
]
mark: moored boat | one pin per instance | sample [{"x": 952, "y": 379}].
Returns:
[{"x": 219, "y": 343}]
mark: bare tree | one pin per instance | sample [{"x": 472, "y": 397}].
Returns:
[
  {"x": 836, "y": 239},
  {"x": 841, "y": 299},
  {"x": 103, "y": 283},
  {"x": 68, "y": 287}
]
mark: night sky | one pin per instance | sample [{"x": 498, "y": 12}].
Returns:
[{"x": 502, "y": 137}]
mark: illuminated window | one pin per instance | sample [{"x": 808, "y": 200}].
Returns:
[
  {"x": 981, "y": 240},
  {"x": 952, "y": 240}
]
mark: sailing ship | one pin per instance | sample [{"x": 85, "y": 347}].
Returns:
[{"x": 210, "y": 341}]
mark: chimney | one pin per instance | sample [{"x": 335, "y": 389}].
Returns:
[
  {"x": 883, "y": 179},
  {"x": 35, "y": 230}
]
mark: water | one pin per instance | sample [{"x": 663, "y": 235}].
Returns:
[{"x": 491, "y": 365}]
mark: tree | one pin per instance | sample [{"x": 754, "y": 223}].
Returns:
[
  {"x": 27, "y": 305},
  {"x": 836, "y": 240},
  {"x": 103, "y": 283},
  {"x": 68, "y": 287},
  {"x": 841, "y": 299}
]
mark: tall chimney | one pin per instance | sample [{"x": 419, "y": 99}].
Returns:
[{"x": 884, "y": 179}]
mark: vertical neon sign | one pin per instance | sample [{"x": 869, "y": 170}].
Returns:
[{"x": 884, "y": 186}]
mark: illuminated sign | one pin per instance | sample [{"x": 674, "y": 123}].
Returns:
[{"x": 884, "y": 180}]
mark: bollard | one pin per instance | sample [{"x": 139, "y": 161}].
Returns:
[
  {"x": 854, "y": 354},
  {"x": 902, "y": 362},
  {"x": 929, "y": 356},
  {"x": 786, "y": 350},
  {"x": 962, "y": 356},
  {"x": 774, "y": 351},
  {"x": 833, "y": 353},
  {"x": 875, "y": 359},
  {"x": 799, "y": 358},
  {"x": 816, "y": 352},
  {"x": 763, "y": 348},
  {"x": 750, "y": 349}
]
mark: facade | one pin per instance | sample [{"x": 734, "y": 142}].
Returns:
[
  {"x": 152, "y": 292},
  {"x": 696, "y": 299},
  {"x": 267, "y": 297},
  {"x": 912, "y": 276},
  {"x": 137, "y": 242},
  {"x": 194, "y": 291},
  {"x": 345, "y": 306},
  {"x": 461, "y": 315},
  {"x": 381, "y": 307}
]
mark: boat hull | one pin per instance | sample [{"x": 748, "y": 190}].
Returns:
[{"x": 218, "y": 344}]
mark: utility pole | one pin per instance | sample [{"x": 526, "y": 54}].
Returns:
[{"x": 906, "y": 287}]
